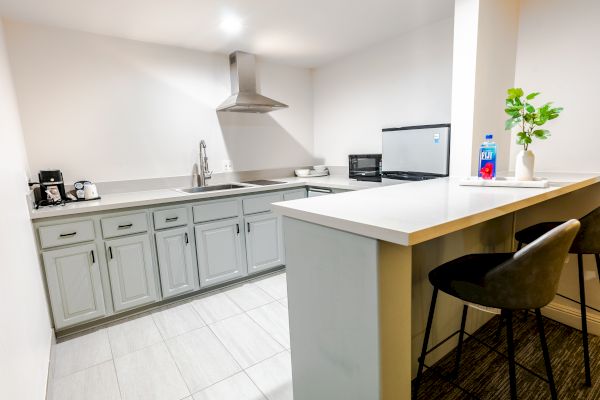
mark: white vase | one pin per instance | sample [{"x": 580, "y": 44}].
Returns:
[{"x": 524, "y": 165}]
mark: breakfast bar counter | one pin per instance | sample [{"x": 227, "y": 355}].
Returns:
[{"x": 357, "y": 266}]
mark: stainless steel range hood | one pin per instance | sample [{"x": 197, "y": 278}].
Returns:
[{"x": 244, "y": 97}]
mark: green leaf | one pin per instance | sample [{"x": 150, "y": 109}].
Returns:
[
  {"x": 511, "y": 123},
  {"x": 529, "y": 108},
  {"x": 541, "y": 134},
  {"x": 532, "y": 96},
  {"x": 512, "y": 112},
  {"x": 514, "y": 93},
  {"x": 522, "y": 138}
]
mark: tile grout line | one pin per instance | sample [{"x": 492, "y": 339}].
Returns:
[
  {"x": 112, "y": 356},
  {"x": 252, "y": 380},
  {"x": 265, "y": 329}
]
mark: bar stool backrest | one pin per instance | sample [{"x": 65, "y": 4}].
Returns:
[
  {"x": 587, "y": 240},
  {"x": 529, "y": 280}
]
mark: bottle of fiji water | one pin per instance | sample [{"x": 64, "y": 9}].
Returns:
[{"x": 487, "y": 158}]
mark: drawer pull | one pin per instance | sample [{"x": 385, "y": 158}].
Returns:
[
  {"x": 172, "y": 219},
  {"x": 93, "y": 257},
  {"x": 125, "y": 226},
  {"x": 187, "y": 241},
  {"x": 66, "y": 235},
  {"x": 238, "y": 228},
  {"x": 110, "y": 252},
  {"x": 248, "y": 223}
]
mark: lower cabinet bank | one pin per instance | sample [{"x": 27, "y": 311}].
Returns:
[{"x": 102, "y": 264}]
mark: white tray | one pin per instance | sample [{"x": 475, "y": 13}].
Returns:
[
  {"x": 313, "y": 175},
  {"x": 508, "y": 181}
]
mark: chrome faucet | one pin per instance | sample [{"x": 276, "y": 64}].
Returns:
[{"x": 203, "y": 172}]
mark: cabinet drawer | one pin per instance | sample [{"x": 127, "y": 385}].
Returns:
[
  {"x": 294, "y": 195},
  {"x": 170, "y": 218},
  {"x": 124, "y": 225},
  {"x": 60, "y": 235},
  {"x": 253, "y": 205},
  {"x": 215, "y": 210}
]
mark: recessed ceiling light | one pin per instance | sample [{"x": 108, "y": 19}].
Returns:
[{"x": 231, "y": 24}]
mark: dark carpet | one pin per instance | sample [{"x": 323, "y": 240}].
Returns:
[{"x": 484, "y": 373}]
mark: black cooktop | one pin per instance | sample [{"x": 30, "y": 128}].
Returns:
[{"x": 263, "y": 182}]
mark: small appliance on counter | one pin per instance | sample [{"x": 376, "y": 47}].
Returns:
[
  {"x": 85, "y": 190},
  {"x": 364, "y": 167},
  {"x": 416, "y": 153},
  {"x": 52, "y": 188}
]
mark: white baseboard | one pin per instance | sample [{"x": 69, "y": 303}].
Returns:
[{"x": 571, "y": 315}]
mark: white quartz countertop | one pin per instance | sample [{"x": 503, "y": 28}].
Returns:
[
  {"x": 418, "y": 211},
  {"x": 164, "y": 196}
]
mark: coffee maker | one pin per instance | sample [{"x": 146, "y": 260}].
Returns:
[{"x": 52, "y": 188}]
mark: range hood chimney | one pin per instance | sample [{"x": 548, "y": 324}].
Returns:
[{"x": 244, "y": 97}]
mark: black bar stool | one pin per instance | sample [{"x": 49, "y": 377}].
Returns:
[
  {"x": 525, "y": 280},
  {"x": 587, "y": 241}
]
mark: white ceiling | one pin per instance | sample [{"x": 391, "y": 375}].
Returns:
[{"x": 306, "y": 33}]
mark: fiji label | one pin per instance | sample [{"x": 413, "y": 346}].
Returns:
[{"x": 487, "y": 163}]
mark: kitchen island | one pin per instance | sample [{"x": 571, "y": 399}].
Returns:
[{"x": 357, "y": 266}]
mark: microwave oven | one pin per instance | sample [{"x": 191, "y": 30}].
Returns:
[{"x": 364, "y": 166}]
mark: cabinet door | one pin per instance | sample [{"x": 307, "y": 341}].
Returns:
[
  {"x": 219, "y": 250},
  {"x": 264, "y": 242},
  {"x": 131, "y": 272},
  {"x": 178, "y": 274},
  {"x": 74, "y": 284}
]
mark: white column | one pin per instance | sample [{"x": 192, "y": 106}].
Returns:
[{"x": 485, "y": 43}]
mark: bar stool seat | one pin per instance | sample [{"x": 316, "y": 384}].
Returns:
[
  {"x": 525, "y": 280},
  {"x": 464, "y": 277}
]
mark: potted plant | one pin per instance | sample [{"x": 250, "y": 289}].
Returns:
[{"x": 528, "y": 119}]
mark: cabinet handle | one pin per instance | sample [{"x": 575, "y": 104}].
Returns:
[
  {"x": 320, "y": 190},
  {"x": 172, "y": 219},
  {"x": 125, "y": 226},
  {"x": 248, "y": 223},
  {"x": 187, "y": 241},
  {"x": 65, "y": 235},
  {"x": 93, "y": 257},
  {"x": 110, "y": 252},
  {"x": 237, "y": 226}
]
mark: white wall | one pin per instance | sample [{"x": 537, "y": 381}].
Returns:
[
  {"x": 558, "y": 56},
  {"x": 404, "y": 81},
  {"x": 109, "y": 109},
  {"x": 25, "y": 334}
]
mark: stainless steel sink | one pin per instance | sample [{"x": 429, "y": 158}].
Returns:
[{"x": 212, "y": 188}]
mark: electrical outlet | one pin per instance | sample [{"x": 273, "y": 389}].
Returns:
[{"x": 227, "y": 166}]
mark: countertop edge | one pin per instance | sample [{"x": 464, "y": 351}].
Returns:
[{"x": 410, "y": 238}]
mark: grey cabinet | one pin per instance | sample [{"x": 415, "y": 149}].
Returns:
[
  {"x": 74, "y": 284},
  {"x": 264, "y": 242},
  {"x": 219, "y": 251},
  {"x": 178, "y": 273},
  {"x": 131, "y": 271}
]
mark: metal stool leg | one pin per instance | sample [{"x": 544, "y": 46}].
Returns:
[
  {"x": 461, "y": 335},
  {"x": 540, "y": 325},
  {"x": 511, "y": 354},
  {"x": 425, "y": 342},
  {"x": 584, "y": 332},
  {"x": 500, "y": 326}
]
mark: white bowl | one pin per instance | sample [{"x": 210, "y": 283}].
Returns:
[
  {"x": 320, "y": 168},
  {"x": 302, "y": 172}
]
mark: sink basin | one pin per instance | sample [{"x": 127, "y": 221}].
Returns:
[{"x": 212, "y": 188}]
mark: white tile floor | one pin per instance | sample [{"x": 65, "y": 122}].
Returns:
[{"x": 229, "y": 345}]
